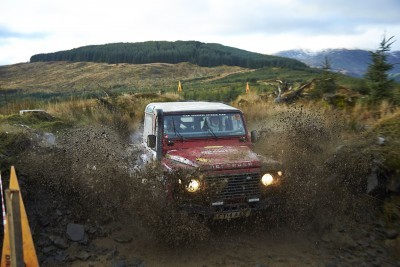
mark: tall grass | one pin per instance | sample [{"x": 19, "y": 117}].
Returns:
[
  {"x": 92, "y": 111},
  {"x": 74, "y": 109},
  {"x": 134, "y": 104},
  {"x": 15, "y": 106},
  {"x": 123, "y": 112},
  {"x": 358, "y": 118},
  {"x": 258, "y": 109},
  {"x": 363, "y": 117}
]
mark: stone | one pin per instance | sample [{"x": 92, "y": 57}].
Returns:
[
  {"x": 372, "y": 253},
  {"x": 85, "y": 240},
  {"x": 137, "y": 262},
  {"x": 349, "y": 242},
  {"x": 83, "y": 255},
  {"x": 394, "y": 184},
  {"x": 113, "y": 253},
  {"x": 372, "y": 182},
  {"x": 52, "y": 261},
  {"x": 326, "y": 238},
  {"x": 91, "y": 230},
  {"x": 118, "y": 263},
  {"x": 381, "y": 140},
  {"x": 75, "y": 232},
  {"x": 364, "y": 242},
  {"x": 49, "y": 139},
  {"x": 44, "y": 222},
  {"x": 391, "y": 233},
  {"x": 393, "y": 245},
  {"x": 44, "y": 241},
  {"x": 59, "y": 242},
  {"x": 123, "y": 239},
  {"x": 380, "y": 224},
  {"x": 48, "y": 249}
]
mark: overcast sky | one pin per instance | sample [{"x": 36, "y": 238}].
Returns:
[{"x": 29, "y": 27}]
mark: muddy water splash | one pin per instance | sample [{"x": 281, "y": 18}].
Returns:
[
  {"x": 90, "y": 171},
  {"x": 325, "y": 166}
]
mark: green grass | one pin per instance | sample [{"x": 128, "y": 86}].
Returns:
[
  {"x": 11, "y": 145},
  {"x": 42, "y": 121},
  {"x": 389, "y": 128}
]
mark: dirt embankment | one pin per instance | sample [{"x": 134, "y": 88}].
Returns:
[{"x": 85, "y": 178}]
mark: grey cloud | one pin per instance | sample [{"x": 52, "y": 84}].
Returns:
[
  {"x": 7, "y": 34},
  {"x": 333, "y": 17}
]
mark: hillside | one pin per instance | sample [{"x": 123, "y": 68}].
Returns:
[
  {"x": 350, "y": 62},
  {"x": 57, "y": 81},
  {"x": 86, "y": 79},
  {"x": 60, "y": 80},
  {"x": 202, "y": 54}
]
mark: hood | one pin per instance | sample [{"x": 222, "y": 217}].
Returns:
[{"x": 216, "y": 157}]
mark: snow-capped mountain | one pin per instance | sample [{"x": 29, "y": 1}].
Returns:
[{"x": 353, "y": 62}]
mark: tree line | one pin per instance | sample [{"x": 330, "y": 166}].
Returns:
[{"x": 202, "y": 54}]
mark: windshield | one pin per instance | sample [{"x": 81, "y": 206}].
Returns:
[{"x": 203, "y": 125}]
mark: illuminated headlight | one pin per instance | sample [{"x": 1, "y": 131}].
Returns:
[
  {"x": 193, "y": 186},
  {"x": 267, "y": 179}
]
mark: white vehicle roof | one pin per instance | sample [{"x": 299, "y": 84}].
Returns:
[{"x": 189, "y": 106}]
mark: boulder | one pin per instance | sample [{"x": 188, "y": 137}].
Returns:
[{"x": 75, "y": 232}]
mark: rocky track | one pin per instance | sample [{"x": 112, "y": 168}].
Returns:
[{"x": 88, "y": 207}]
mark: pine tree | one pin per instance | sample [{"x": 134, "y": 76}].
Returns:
[
  {"x": 327, "y": 82},
  {"x": 379, "y": 84}
]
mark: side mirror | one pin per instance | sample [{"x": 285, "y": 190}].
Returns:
[
  {"x": 151, "y": 141},
  {"x": 253, "y": 136}
]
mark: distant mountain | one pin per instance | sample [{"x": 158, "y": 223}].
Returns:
[
  {"x": 350, "y": 62},
  {"x": 202, "y": 54}
]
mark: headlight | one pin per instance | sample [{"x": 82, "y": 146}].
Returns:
[
  {"x": 193, "y": 186},
  {"x": 267, "y": 179}
]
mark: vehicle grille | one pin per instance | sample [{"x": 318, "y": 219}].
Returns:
[{"x": 236, "y": 186}]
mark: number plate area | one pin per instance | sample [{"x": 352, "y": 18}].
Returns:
[{"x": 232, "y": 215}]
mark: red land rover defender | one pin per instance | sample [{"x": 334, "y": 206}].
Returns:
[{"x": 210, "y": 141}]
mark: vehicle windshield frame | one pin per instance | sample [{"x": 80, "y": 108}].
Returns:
[{"x": 203, "y": 125}]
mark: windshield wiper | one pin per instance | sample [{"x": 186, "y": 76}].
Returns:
[
  {"x": 210, "y": 130},
  {"x": 176, "y": 131}
]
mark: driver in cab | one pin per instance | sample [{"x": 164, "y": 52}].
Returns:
[
  {"x": 168, "y": 125},
  {"x": 214, "y": 124}
]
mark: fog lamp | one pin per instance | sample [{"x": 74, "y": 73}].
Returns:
[
  {"x": 267, "y": 179},
  {"x": 193, "y": 186}
]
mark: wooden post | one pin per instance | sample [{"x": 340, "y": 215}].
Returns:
[
  {"x": 15, "y": 228},
  {"x": 179, "y": 87}
]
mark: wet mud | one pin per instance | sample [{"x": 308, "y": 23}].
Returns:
[{"x": 88, "y": 175}]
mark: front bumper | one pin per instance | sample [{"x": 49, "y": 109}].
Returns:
[
  {"x": 227, "y": 195},
  {"x": 230, "y": 211}
]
